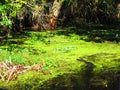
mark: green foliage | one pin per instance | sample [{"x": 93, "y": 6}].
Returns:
[
  {"x": 9, "y": 10},
  {"x": 69, "y": 1},
  {"x": 15, "y": 6},
  {"x": 5, "y": 20},
  {"x": 60, "y": 65}
]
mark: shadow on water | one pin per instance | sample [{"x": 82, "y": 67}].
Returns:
[
  {"x": 15, "y": 38},
  {"x": 96, "y": 33},
  {"x": 18, "y": 39},
  {"x": 85, "y": 79},
  {"x": 86, "y": 32}
]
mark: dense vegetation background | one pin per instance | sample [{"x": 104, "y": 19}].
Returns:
[{"x": 59, "y": 45}]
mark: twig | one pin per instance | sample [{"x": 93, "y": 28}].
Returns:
[{"x": 12, "y": 71}]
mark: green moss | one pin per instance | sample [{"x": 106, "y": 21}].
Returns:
[{"x": 60, "y": 52}]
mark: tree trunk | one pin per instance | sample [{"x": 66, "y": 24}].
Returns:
[
  {"x": 54, "y": 13},
  {"x": 56, "y": 8},
  {"x": 36, "y": 17}
]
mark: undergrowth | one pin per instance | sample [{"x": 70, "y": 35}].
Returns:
[{"x": 60, "y": 52}]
